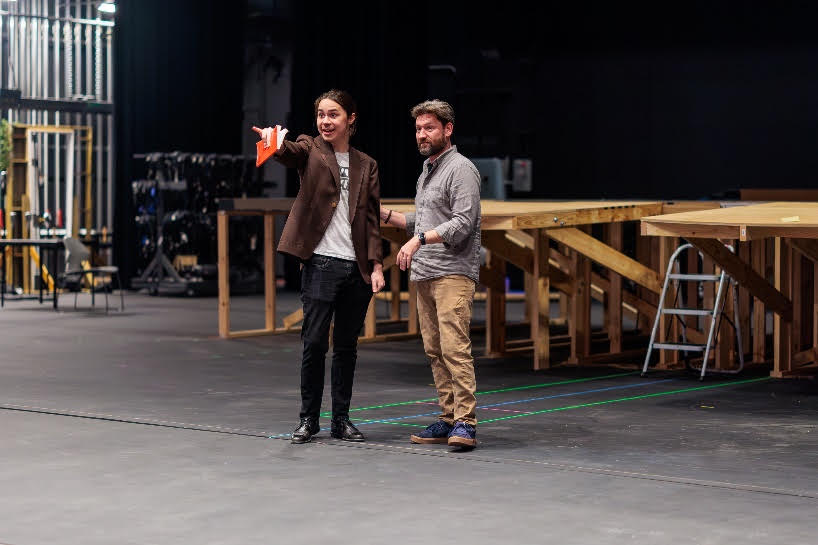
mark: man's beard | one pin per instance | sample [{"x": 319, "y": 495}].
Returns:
[{"x": 433, "y": 149}]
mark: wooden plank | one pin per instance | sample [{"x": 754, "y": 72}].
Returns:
[
  {"x": 685, "y": 230},
  {"x": 815, "y": 304},
  {"x": 806, "y": 247},
  {"x": 744, "y": 301},
  {"x": 257, "y": 204},
  {"x": 759, "y": 260},
  {"x": 394, "y": 281},
  {"x": 749, "y": 232},
  {"x": 223, "y": 240},
  {"x": 614, "y": 307},
  {"x": 745, "y": 276},
  {"x": 509, "y": 248},
  {"x": 541, "y": 302},
  {"x": 666, "y": 357},
  {"x": 251, "y": 333},
  {"x": 370, "y": 320},
  {"x": 269, "y": 272},
  {"x": 492, "y": 277},
  {"x": 293, "y": 318},
  {"x": 586, "y": 216},
  {"x": 413, "y": 328},
  {"x": 496, "y": 308},
  {"x": 608, "y": 257},
  {"x": 797, "y": 302},
  {"x": 782, "y": 346}
]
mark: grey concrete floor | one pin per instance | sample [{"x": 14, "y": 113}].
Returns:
[{"x": 144, "y": 427}]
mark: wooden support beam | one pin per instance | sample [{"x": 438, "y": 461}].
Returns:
[
  {"x": 293, "y": 318},
  {"x": 759, "y": 259},
  {"x": 370, "y": 324},
  {"x": 807, "y": 247},
  {"x": 541, "y": 301},
  {"x": 413, "y": 328},
  {"x": 614, "y": 306},
  {"x": 782, "y": 327},
  {"x": 509, "y": 249},
  {"x": 608, "y": 257},
  {"x": 222, "y": 228},
  {"x": 744, "y": 299},
  {"x": 495, "y": 307},
  {"x": 666, "y": 357},
  {"x": 492, "y": 277},
  {"x": 269, "y": 272},
  {"x": 394, "y": 280},
  {"x": 746, "y": 276}
]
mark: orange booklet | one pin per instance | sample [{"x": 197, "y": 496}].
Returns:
[{"x": 262, "y": 153}]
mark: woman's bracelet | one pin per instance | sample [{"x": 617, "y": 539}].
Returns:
[{"x": 389, "y": 215}]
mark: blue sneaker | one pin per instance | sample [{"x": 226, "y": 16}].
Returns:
[
  {"x": 463, "y": 435},
  {"x": 436, "y": 433}
]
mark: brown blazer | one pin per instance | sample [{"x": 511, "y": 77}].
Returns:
[{"x": 318, "y": 196}]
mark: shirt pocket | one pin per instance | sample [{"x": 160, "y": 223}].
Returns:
[{"x": 435, "y": 198}]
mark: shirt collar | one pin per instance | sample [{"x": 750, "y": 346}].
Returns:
[{"x": 429, "y": 165}]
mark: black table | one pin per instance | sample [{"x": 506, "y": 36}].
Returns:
[{"x": 52, "y": 244}]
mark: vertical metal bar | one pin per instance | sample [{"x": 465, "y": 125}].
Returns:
[
  {"x": 69, "y": 187},
  {"x": 109, "y": 137},
  {"x": 3, "y": 54}
]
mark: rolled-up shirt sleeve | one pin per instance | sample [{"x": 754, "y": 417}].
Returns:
[
  {"x": 464, "y": 199},
  {"x": 410, "y": 222}
]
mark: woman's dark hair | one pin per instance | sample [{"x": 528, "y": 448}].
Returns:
[{"x": 346, "y": 102}]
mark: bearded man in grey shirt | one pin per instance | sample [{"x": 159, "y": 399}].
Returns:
[{"x": 444, "y": 254}]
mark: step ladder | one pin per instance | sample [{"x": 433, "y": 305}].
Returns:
[{"x": 715, "y": 314}]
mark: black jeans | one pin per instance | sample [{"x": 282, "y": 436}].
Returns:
[{"x": 330, "y": 286}]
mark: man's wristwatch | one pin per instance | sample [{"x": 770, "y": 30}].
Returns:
[{"x": 422, "y": 238}]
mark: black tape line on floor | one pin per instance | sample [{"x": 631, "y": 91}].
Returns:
[
  {"x": 136, "y": 420},
  {"x": 471, "y": 456}
]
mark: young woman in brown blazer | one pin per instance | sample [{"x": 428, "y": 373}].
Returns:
[{"x": 334, "y": 229}]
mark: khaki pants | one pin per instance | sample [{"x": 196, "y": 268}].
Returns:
[{"x": 444, "y": 312}]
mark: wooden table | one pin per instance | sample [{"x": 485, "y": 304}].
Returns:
[
  {"x": 789, "y": 226},
  {"x": 516, "y": 232}
]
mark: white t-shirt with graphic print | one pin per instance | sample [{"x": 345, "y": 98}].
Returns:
[{"x": 337, "y": 241}]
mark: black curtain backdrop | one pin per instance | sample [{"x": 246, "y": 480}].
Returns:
[
  {"x": 177, "y": 85},
  {"x": 377, "y": 52}
]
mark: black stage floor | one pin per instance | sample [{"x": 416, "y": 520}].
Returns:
[{"x": 144, "y": 427}]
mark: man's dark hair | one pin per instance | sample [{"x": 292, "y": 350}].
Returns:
[{"x": 441, "y": 110}]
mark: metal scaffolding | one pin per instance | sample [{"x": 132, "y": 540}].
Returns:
[{"x": 56, "y": 70}]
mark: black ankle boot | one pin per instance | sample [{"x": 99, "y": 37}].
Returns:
[
  {"x": 305, "y": 430},
  {"x": 343, "y": 429}
]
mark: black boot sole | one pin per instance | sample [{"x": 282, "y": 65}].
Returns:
[{"x": 350, "y": 439}]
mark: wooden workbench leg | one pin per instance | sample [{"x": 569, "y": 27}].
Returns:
[
  {"x": 413, "y": 308},
  {"x": 782, "y": 330},
  {"x": 579, "y": 328},
  {"x": 759, "y": 258},
  {"x": 394, "y": 285},
  {"x": 744, "y": 300},
  {"x": 644, "y": 322},
  {"x": 614, "y": 296},
  {"x": 540, "y": 316},
  {"x": 269, "y": 273},
  {"x": 815, "y": 304},
  {"x": 370, "y": 320},
  {"x": 222, "y": 234},
  {"x": 496, "y": 309},
  {"x": 530, "y": 305},
  {"x": 797, "y": 302}
]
